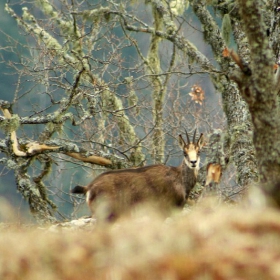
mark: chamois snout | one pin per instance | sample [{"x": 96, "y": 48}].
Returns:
[{"x": 193, "y": 163}]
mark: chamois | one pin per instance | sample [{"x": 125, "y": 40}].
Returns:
[{"x": 168, "y": 185}]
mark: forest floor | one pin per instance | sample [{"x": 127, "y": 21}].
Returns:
[{"x": 226, "y": 242}]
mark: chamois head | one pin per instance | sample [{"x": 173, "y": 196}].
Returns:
[{"x": 191, "y": 150}]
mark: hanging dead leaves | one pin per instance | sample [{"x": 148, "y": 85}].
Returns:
[{"x": 197, "y": 94}]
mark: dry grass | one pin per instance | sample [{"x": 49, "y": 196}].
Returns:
[{"x": 225, "y": 243}]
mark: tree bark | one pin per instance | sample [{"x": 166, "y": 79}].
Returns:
[
  {"x": 258, "y": 90},
  {"x": 241, "y": 149}
]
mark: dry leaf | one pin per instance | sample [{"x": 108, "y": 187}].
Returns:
[
  {"x": 226, "y": 52},
  {"x": 197, "y": 94}
]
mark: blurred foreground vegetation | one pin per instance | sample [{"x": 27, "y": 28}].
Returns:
[{"x": 229, "y": 242}]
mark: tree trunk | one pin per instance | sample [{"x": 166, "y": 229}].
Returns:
[
  {"x": 154, "y": 68},
  {"x": 241, "y": 148},
  {"x": 259, "y": 90}
]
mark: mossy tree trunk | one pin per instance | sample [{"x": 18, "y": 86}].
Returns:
[
  {"x": 259, "y": 90},
  {"x": 154, "y": 69}
]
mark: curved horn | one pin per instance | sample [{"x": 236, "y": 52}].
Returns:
[
  {"x": 194, "y": 136},
  {"x": 182, "y": 141},
  {"x": 187, "y": 137},
  {"x": 200, "y": 137}
]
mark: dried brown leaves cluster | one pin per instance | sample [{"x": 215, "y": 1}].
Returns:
[{"x": 197, "y": 94}]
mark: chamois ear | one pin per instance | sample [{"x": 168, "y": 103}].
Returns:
[
  {"x": 182, "y": 142},
  {"x": 200, "y": 141}
]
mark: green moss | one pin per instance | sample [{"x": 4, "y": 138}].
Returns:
[
  {"x": 26, "y": 15},
  {"x": 132, "y": 98},
  {"x": 11, "y": 164},
  {"x": 47, "y": 8},
  {"x": 12, "y": 124},
  {"x": 226, "y": 28},
  {"x": 95, "y": 15}
]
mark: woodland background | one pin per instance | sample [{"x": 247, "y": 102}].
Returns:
[{"x": 120, "y": 80}]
